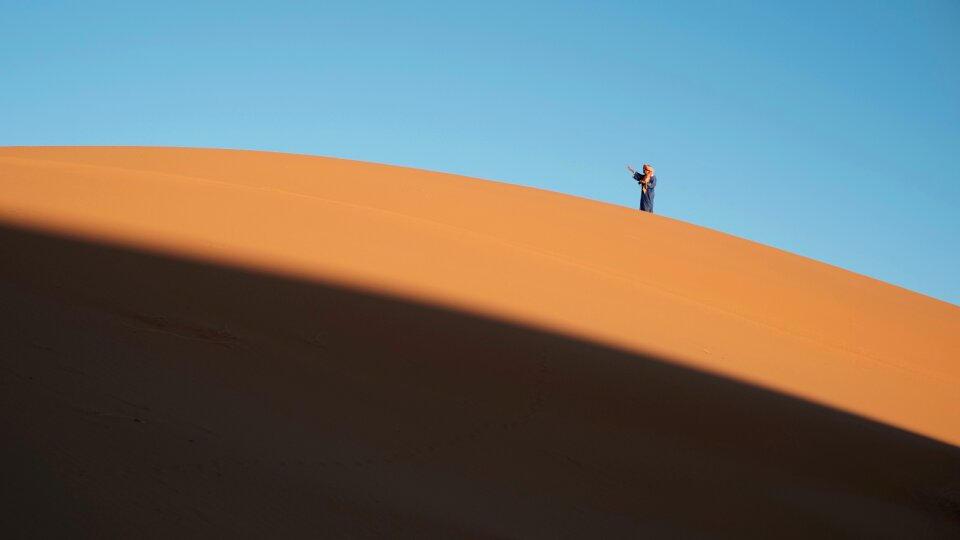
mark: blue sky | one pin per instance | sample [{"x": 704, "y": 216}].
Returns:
[{"x": 827, "y": 129}]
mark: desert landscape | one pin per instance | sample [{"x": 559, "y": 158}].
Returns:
[{"x": 209, "y": 343}]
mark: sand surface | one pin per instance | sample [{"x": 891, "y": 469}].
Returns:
[{"x": 198, "y": 342}]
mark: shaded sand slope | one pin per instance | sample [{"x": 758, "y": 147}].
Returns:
[
  {"x": 149, "y": 397},
  {"x": 203, "y": 341}
]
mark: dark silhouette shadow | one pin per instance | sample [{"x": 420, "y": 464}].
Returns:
[{"x": 146, "y": 396}]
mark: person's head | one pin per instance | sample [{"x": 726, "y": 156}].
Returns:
[{"x": 647, "y": 168}]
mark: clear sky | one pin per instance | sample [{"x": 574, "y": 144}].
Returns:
[{"x": 825, "y": 128}]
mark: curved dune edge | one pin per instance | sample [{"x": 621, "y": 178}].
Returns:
[{"x": 643, "y": 283}]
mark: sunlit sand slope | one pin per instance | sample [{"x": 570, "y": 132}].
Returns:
[{"x": 272, "y": 344}]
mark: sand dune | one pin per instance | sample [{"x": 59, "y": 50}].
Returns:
[{"x": 201, "y": 341}]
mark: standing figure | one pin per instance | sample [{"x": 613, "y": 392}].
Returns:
[{"x": 648, "y": 182}]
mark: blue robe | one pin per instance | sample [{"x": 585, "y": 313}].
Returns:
[{"x": 646, "y": 199}]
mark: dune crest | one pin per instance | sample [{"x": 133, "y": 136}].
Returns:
[
  {"x": 211, "y": 343},
  {"x": 644, "y": 283}
]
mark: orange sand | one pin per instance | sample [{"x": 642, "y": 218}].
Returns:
[
  {"x": 562, "y": 263},
  {"x": 610, "y": 276}
]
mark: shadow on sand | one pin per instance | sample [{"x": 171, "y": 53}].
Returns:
[{"x": 145, "y": 396}]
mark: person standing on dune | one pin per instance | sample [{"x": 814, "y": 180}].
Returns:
[{"x": 648, "y": 182}]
